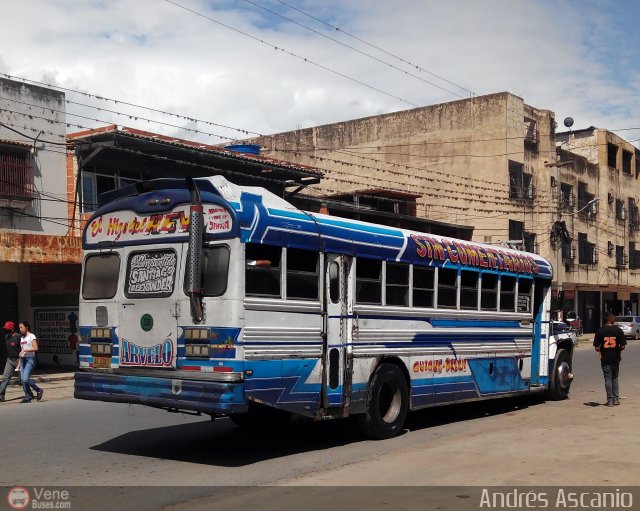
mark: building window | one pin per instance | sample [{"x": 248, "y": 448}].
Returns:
[
  {"x": 621, "y": 213},
  {"x": 621, "y": 258},
  {"x": 634, "y": 215},
  {"x": 94, "y": 184},
  {"x": 525, "y": 240},
  {"x": 17, "y": 188},
  {"x": 627, "y": 158},
  {"x": 567, "y": 198},
  {"x": 612, "y": 156},
  {"x": 520, "y": 183},
  {"x": 587, "y": 253},
  {"x": 634, "y": 256},
  {"x": 586, "y": 206}
]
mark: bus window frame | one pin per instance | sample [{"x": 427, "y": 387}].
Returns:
[{"x": 84, "y": 274}]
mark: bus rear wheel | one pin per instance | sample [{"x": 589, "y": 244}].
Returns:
[
  {"x": 387, "y": 404},
  {"x": 561, "y": 378}
]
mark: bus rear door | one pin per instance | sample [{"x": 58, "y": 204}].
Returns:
[{"x": 148, "y": 325}]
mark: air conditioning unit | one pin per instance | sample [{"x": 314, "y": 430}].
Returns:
[
  {"x": 573, "y": 252},
  {"x": 609, "y": 248},
  {"x": 593, "y": 209},
  {"x": 594, "y": 257},
  {"x": 623, "y": 214}
]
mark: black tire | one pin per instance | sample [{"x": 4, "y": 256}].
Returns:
[
  {"x": 637, "y": 335},
  {"x": 561, "y": 377},
  {"x": 261, "y": 417},
  {"x": 387, "y": 403}
]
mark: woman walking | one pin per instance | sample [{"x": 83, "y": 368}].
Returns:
[{"x": 28, "y": 348}]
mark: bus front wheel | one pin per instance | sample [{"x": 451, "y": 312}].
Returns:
[
  {"x": 387, "y": 403},
  {"x": 561, "y": 377}
]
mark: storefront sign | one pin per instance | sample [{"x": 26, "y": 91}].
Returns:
[{"x": 57, "y": 333}]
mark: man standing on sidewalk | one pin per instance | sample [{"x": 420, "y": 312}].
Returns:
[
  {"x": 12, "y": 340},
  {"x": 609, "y": 341}
]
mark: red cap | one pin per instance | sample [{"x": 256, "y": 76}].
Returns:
[{"x": 9, "y": 325}]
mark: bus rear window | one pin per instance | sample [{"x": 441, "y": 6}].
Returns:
[
  {"x": 100, "y": 279},
  {"x": 151, "y": 274}
]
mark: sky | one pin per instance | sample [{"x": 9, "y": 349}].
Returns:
[{"x": 229, "y": 69}]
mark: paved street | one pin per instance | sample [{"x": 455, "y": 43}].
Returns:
[{"x": 505, "y": 442}]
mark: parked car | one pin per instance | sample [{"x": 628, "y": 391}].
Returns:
[
  {"x": 630, "y": 325},
  {"x": 560, "y": 330}
]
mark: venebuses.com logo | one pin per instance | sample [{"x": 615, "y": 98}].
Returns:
[{"x": 18, "y": 498}]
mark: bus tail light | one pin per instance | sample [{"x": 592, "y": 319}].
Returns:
[{"x": 196, "y": 342}]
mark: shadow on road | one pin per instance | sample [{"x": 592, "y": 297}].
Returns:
[{"x": 224, "y": 444}]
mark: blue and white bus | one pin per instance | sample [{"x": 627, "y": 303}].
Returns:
[{"x": 207, "y": 297}]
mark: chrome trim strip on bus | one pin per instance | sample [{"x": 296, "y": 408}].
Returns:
[
  {"x": 365, "y": 334},
  {"x": 171, "y": 374},
  {"x": 276, "y": 354},
  {"x": 279, "y": 305},
  {"x": 281, "y": 334},
  {"x": 371, "y": 351},
  {"x": 413, "y": 312}
]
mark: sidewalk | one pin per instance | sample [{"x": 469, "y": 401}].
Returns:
[{"x": 57, "y": 383}]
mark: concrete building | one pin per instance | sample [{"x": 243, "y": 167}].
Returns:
[
  {"x": 39, "y": 274},
  {"x": 598, "y": 192},
  {"x": 491, "y": 161}
]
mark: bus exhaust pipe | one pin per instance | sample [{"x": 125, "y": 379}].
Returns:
[{"x": 194, "y": 260}]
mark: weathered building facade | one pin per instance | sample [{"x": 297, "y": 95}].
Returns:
[
  {"x": 597, "y": 188},
  {"x": 39, "y": 271},
  {"x": 491, "y": 161}
]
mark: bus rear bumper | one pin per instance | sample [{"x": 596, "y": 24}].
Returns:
[{"x": 160, "y": 392}]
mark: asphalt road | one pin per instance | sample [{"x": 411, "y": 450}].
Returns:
[{"x": 514, "y": 441}]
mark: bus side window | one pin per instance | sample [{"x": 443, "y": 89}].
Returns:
[
  {"x": 423, "y": 285},
  {"x": 447, "y": 288},
  {"x": 215, "y": 270},
  {"x": 489, "y": 293},
  {"x": 369, "y": 281},
  {"x": 507, "y": 293},
  {"x": 262, "y": 272},
  {"x": 468, "y": 289},
  {"x": 524, "y": 295},
  {"x": 302, "y": 274},
  {"x": 397, "y": 284}
]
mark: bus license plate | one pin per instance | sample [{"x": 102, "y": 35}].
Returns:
[{"x": 102, "y": 362}]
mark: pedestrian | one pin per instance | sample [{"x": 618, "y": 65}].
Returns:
[
  {"x": 609, "y": 342},
  {"x": 28, "y": 347},
  {"x": 12, "y": 342}
]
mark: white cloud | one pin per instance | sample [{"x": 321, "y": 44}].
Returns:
[{"x": 556, "y": 55}]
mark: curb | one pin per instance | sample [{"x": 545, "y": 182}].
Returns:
[{"x": 44, "y": 378}]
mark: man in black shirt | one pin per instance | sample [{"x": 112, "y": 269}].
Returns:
[
  {"x": 609, "y": 341},
  {"x": 12, "y": 341}
]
